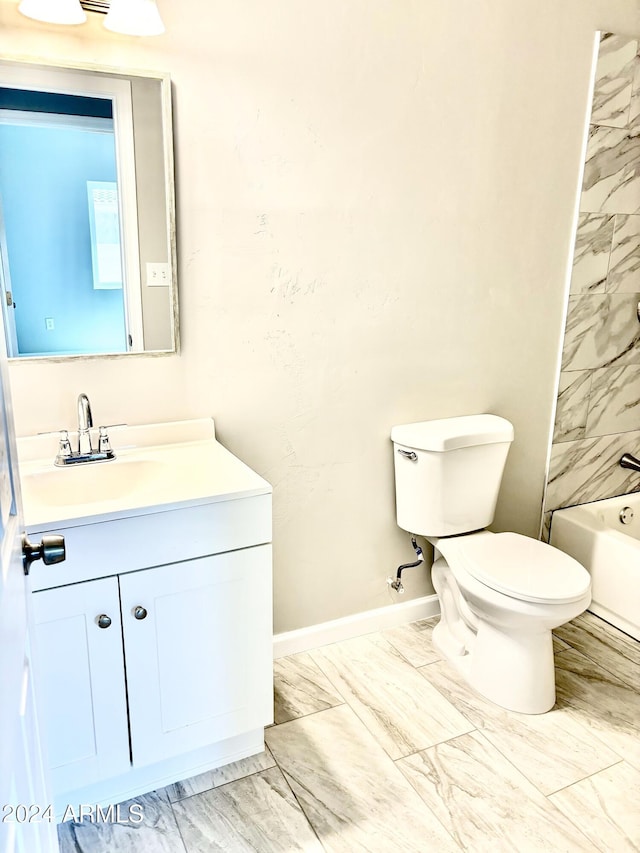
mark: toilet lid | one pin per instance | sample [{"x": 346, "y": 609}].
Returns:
[{"x": 520, "y": 567}]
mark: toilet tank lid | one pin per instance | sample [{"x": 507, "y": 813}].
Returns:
[{"x": 453, "y": 433}]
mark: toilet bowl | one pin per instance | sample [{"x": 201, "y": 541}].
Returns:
[
  {"x": 504, "y": 646},
  {"x": 500, "y": 594}
]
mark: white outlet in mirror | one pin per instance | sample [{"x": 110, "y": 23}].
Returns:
[{"x": 158, "y": 275}]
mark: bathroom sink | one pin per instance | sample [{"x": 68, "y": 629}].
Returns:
[
  {"x": 157, "y": 467},
  {"x": 90, "y": 484}
]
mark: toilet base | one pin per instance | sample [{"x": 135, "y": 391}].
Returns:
[
  {"x": 502, "y": 647},
  {"x": 516, "y": 673}
]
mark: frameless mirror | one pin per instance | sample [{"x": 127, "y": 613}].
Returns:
[{"x": 87, "y": 212}]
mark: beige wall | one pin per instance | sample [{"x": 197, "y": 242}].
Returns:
[{"x": 375, "y": 202}]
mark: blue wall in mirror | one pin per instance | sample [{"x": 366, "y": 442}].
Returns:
[{"x": 43, "y": 189}]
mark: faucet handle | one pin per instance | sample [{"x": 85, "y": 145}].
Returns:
[
  {"x": 104, "y": 445},
  {"x": 64, "y": 448}
]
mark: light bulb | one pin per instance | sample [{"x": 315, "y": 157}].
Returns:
[
  {"x": 134, "y": 18},
  {"x": 54, "y": 11}
]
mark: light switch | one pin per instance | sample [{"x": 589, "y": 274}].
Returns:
[{"x": 48, "y": 321}]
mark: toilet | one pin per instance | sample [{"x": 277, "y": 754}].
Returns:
[{"x": 501, "y": 594}]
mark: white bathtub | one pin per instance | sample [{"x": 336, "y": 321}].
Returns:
[{"x": 609, "y": 549}]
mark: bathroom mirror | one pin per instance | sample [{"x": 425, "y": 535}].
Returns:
[{"x": 87, "y": 212}]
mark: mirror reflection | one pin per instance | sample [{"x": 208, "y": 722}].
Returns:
[{"x": 87, "y": 244}]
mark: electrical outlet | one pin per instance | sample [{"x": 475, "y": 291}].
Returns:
[
  {"x": 48, "y": 321},
  {"x": 158, "y": 275}
]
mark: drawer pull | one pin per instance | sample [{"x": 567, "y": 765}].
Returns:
[
  {"x": 103, "y": 621},
  {"x": 140, "y": 612}
]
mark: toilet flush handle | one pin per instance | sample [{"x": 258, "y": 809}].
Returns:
[{"x": 408, "y": 454}]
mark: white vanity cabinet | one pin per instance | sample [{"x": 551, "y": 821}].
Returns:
[
  {"x": 198, "y": 653},
  {"x": 81, "y": 683},
  {"x": 154, "y": 642},
  {"x": 192, "y": 643}
]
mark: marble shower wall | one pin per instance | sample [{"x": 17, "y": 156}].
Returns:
[{"x": 598, "y": 410}]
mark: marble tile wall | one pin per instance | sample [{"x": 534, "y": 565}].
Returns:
[{"x": 598, "y": 408}]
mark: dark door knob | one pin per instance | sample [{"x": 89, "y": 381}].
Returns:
[
  {"x": 140, "y": 612},
  {"x": 103, "y": 621},
  {"x": 50, "y": 550}
]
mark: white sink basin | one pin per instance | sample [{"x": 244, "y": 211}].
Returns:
[
  {"x": 157, "y": 467},
  {"x": 91, "y": 483}
]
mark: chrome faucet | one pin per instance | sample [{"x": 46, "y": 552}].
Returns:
[
  {"x": 85, "y": 451},
  {"x": 85, "y": 422}
]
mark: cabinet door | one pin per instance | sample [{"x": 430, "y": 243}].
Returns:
[
  {"x": 199, "y": 653},
  {"x": 80, "y": 678}
]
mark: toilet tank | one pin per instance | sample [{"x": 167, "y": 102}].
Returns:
[{"x": 448, "y": 473}]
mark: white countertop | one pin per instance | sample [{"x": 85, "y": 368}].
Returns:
[{"x": 158, "y": 467}]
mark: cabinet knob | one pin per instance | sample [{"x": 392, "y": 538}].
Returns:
[
  {"x": 103, "y": 621},
  {"x": 140, "y": 612}
]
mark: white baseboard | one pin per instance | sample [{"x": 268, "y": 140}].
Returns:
[{"x": 292, "y": 642}]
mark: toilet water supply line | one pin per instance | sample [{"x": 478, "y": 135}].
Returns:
[{"x": 397, "y": 583}]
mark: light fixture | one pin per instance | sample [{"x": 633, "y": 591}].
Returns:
[
  {"x": 54, "y": 11},
  {"x": 134, "y": 18},
  {"x": 130, "y": 17}
]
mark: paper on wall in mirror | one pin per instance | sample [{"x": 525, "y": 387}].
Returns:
[{"x": 104, "y": 224}]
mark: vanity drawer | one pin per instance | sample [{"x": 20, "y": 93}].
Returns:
[{"x": 142, "y": 541}]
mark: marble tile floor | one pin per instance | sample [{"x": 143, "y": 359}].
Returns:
[{"x": 378, "y": 746}]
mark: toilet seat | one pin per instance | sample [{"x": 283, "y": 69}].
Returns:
[{"x": 518, "y": 566}]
